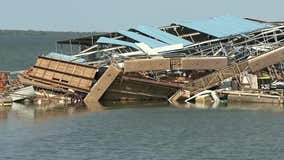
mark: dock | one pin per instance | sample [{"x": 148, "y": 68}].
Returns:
[{"x": 243, "y": 96}]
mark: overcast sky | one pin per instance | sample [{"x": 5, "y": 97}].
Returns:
[{"x": 112, "y": 15}]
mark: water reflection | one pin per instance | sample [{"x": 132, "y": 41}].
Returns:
[
  {"x": 45, "y": 112},
  {"x": 198, "y": 105},
  {"x": 50, "y": 111},
  {"x": 4, "y": 113},
  {"x": 256, "y": 106},
  {"x": 232, "y": 106}
]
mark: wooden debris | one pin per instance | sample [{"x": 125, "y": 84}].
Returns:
[
  {"x": 61, "y": 73},
  {"x": 189, "y": 63},
  {"x": 142, "y": 65},
  {"x": 102, "y": 84},
  {"x": 203, "y": 63},
  {"x": 274, "y": 57},
  {"x": 252, "y": 65}
]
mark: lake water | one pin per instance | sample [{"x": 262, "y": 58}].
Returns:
[
  {"x": 156, "y": 131},
  {"x": 19, "y": 49}
]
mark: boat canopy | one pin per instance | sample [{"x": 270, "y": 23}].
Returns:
[
  {"x": 106, "y": 40},
  {"x": 160, "y": 35},
  {"x": 143, "y": 39}
]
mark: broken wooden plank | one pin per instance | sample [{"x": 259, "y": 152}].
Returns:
[
  {"x": 188, "y": 63},
  {"x": 203, "y": 63},
  {"x": 142, "y": 65},
  {"x": 176, "y": 96},
  {"x": 102, "y": 84}
]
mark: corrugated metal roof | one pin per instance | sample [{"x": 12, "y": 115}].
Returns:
[
  {"x": 160, "y": 35},
  {"x": 224, "y": 26},
  {"x": 140, "y": 38},
  {"x": 106, "y": 40}
]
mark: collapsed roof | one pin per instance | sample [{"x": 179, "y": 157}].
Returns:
[
  {"x": 219, "y": 36},
  {"x": 217, "y": 27}
]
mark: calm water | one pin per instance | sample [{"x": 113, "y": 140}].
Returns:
[{"x": 142, "y": 132}]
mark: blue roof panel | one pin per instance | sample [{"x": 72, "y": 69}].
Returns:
[
  {"x": 140, "y": 38},
  {"x": 160, "y": 35},
  {"x": 224, "y": 26},
  {"x": 116, "y": 42}
]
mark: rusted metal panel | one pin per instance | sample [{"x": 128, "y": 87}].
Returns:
[
  {"x": 203, "y": 63},
  {"x": 142, "y": 65},
  {"x": 267, "y": 59},
  {"x": 102, "y": 84}
]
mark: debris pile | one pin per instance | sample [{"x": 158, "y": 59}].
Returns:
[{"x": 173, "y": 63}]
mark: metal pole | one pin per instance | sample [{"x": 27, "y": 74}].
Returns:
[{"x": 71, "y": 47}]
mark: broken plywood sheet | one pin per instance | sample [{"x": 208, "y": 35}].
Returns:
[
  {"x": 203, "y": 63},
  {"x": 102, "y": 84},
  {"x": 142, "y": 65}
]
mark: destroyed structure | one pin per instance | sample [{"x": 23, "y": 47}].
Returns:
[{"x": 172, "y": 63}]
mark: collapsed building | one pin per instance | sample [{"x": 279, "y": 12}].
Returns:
[{"x": 176, "y": 61}]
